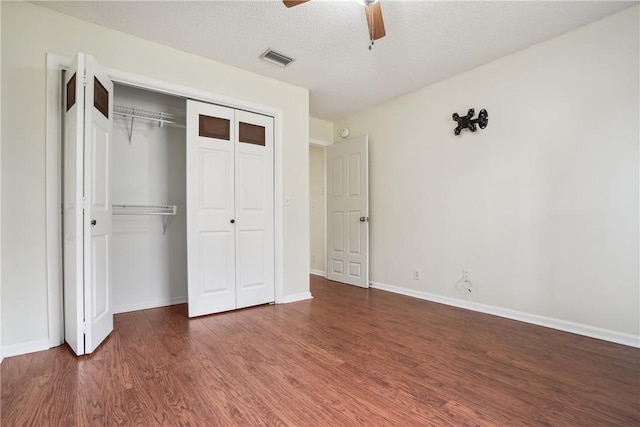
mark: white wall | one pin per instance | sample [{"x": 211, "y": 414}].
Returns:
[
  {"x": 320, "y": 130},
  {"x": 149, "y": 265},
  {"x": 541, "y": 207},
  {"x": 28, "y": 33}
]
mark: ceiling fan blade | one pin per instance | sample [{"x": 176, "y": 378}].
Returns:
[
  {"x": 293, "y": 3},
  {"x": 375, "y": 22}
]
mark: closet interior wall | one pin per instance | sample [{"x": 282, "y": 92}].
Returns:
[{"x": 149, "y": 257}]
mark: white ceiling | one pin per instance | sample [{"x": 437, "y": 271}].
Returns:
[{"x": 426, "y": 41}]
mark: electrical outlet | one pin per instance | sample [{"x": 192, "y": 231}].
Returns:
[
  {"x": 417, "y": 274},
  {"x": 465, "y": 275},
  {"x": 313, "y": 258}
]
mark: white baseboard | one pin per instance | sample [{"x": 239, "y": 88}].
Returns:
[
  {"x": 25, "y": 347},
  {"x": 149, "y": 304},
  {"x": 296, "y": 297},
  {"x": 318, "y": 272},
  {"x": 549, "y": 322}
]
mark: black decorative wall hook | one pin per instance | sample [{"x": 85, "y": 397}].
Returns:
[{"x": 469, "y": 123}]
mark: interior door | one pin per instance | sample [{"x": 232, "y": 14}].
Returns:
[
  {"x": 254, "y": 209},
  {"x": 98, "y": 119},
  {"x": 73, "y": 254},
  {"x": 87, "y": 205},
  {"x": 211, "y": 243},
  {"x": 348, "y": 212}
]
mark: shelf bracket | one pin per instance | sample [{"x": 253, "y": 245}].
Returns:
[
  {"x": 131, "y": 129},
  {"x": 165, "y": 223}
]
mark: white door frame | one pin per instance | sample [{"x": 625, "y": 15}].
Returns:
[
  {"x": 53, "y": 144},
  {"x": 323, "y": 144}
]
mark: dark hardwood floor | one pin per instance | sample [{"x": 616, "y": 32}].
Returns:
[{"x": 350, "y": 356}]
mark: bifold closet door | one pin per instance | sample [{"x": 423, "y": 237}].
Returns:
[
  {"x": 88, "y": 312},
  {"x": 211, "y": 241},
  {"x": 230, "y": 241},
  {"x": 254, "y": 209}
]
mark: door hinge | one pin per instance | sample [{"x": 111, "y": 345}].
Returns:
[
  {"x": 84, "y": 327},
  {"x": 84, "y": 79}
]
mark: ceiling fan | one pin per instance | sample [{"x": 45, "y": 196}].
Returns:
[{"x": 372, "y": 12}]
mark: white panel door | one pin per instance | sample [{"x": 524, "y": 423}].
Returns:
[
  {"x": 97, "y": 193},
  {"x": 254, "y": 210},
  {"x": 211, "y": 265},
  {"x": 348, "y": 212},
  {"x": 87, "y": 205},
  {"x": 73, "y": 255}
]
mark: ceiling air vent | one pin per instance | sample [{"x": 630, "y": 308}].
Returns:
[{"x": 276, "y": 58}]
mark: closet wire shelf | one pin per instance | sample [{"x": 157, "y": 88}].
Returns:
[
  {"x": 166, "y": 211},
  {"x": 160, "y": 117}
]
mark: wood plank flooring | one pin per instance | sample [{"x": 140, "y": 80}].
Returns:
[{"x": 350, "y": 356}]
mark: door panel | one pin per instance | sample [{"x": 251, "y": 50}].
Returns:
[
  {"x": 97, "y": 191},
  {"x": 355, "y": 269},
  {"x": 100, "y": 249},
  {"x": 355, "y": 233},
  {"x": 88, "y": 316},
  {"x": 251, "y": 173},
  {"x": 337, "y": 267},
  {"x": 211, "y": 267},
  {"x": 254, "y": 210},
  {"x": 72, "y": 207},
  {"x": 216, "y": 262},
  {"x": 215, "y": 191},
  {"x": 336, "y": 176},
  {"x": 355, "y": 173},
  {"x": 252, "y": 257},
  {"x": 347, "y": 212},
  {"x": 230, "y": 216},
  {"x": 100, "y": 161},
  {"x": 336, "y": 242}
]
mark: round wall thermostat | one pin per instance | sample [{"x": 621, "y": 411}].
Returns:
[{"x": 344, "y": 132}]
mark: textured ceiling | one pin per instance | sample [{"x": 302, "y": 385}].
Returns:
[{"x": 426, "y": 41}]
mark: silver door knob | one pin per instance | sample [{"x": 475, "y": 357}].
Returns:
[{"x": 362, "y": 219}]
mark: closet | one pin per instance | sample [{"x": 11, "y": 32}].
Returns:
[
  {"x": 165, "y": 200},
  {"x": 148, "y": 193}
]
